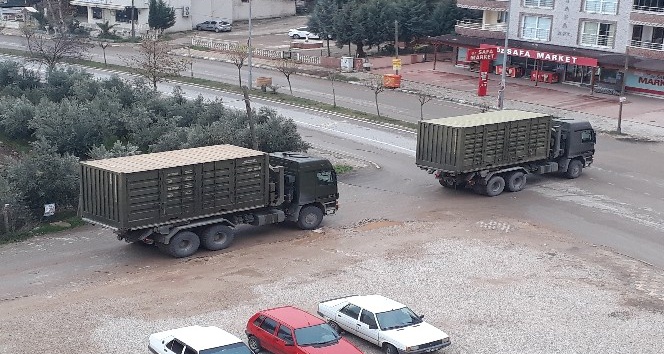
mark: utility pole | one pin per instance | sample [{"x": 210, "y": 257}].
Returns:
[
  {"x": 133, "y": 15},
  {"x": 503, "y": 75},
  {"x": 396, "y": 39},
  {"x": 622, "y": 94},
  {"x": 250, "y": 49}
]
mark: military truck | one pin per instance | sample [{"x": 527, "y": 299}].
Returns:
[
  {"x": 182, "y": 199},
  {"x": 493, "y": 151}
]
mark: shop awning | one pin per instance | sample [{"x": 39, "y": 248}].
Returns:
[{"x": 604, "y": 59}]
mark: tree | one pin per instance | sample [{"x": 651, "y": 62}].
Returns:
[
  {"x": 423, "y": 97},
  {"x": 287, "y": 67},
  {"x": 333, "y": 76},
  {"x": 118, "y": 149},
  {"x": 105, "y": 29},
  {"x": 375, "y": 83},
  {"x": 321, "y": 20},
  {"x": 250, "y": 118},
  {"x": 155, "y": 63},
  {"x": 238, "y": 55},
  {"x": 58, "y": 48},
  {"x": 344, "y": 27},
  {"x": 160, "y": 15}
]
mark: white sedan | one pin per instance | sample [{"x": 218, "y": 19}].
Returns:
[
  {"x": 196, "y": 340},
  {"x": 302, "y": 32},
  {"x": 384, "y": 322}
]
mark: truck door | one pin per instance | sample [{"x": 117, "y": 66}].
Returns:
[{"x": 326, "y": 187}]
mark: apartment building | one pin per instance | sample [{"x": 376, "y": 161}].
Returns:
[
  {"x": 582, "y": 42},
  {"x": 187, "y": 12}
]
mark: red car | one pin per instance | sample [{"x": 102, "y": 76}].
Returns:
[{"x": 289, "y": 330}]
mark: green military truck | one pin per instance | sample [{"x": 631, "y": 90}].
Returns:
[
  {"x": 493, "y": 151},
  {"x": 182, "y": 199}
]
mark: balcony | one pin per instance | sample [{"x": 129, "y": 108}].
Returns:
[
  {"x": 646, "y": 49},
  {"x": 475, "y": 28},
  {"x": 598, "y": 41},
  {"x": 492, "y": 5}
]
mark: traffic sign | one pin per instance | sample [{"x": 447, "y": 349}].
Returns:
[{"x": 396, "y": 64}]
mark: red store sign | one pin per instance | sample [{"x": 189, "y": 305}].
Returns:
[{"x": 559, "y": 58}]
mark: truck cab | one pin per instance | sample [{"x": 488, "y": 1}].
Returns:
[
  {"x": 574, "y": 140},
  {"x": 310, "y": 187}
]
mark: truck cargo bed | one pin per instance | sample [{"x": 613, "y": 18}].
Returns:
[
  {"x": 483, "y": 140},
  {"x": 140, "y": 191}
]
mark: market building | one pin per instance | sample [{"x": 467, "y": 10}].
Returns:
[{"x": 580, "y": 42}]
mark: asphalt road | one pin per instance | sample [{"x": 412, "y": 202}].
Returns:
[{"x": 617, "y": 203}]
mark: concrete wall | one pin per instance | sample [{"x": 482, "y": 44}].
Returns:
[
  {"x": 566, "y": 23},
  {"x": 263, "y": 9}
]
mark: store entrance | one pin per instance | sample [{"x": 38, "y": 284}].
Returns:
[{"x": 579, "y": 74}]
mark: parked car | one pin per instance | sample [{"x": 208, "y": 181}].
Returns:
[
  {"x": 289, "y": 330},
  {"x": 302, "y": 32},
  {"x": 215, "y": 25},
  {"x": 384, "y": 322},
  {"x": 196, "y": 340}
]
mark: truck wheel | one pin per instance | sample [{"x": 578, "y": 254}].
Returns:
[
  {"x": 574, "y": 169},
  {"x": 495, "y": 186},
  {"x": 217, "y": 237},
  {"x": 516, "y": 181},
  {"x": 254, "y": 344},
  {"x": 335, "y": 327},
  {"x": 183, "y": 244},
  {"x": 390, "y": 349},
  {"x": 310, "y": 217}
]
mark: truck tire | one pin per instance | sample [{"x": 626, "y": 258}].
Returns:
[
  {"x": 310, "y": 217},
  {"x": 254, "y": 344},
  {"x": 495, "y": 186},
  {"x": 217, "y": 237},
  {"x": 574, "y": 169},
  {"x": 183, "y": 244},
  {"x": 516, "y": 181}
]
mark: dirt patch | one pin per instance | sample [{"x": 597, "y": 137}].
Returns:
[{"x": 378, "y": 224}]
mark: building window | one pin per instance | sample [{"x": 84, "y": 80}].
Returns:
[
  {"x": 607, "y": 7},
  {"x": 96, "y": 13},
  {"x": 547, "y": 4},
  {"x": 649, "y": 5},
  {"x": 597, "y": 34},
  {"x": 637, "y": 33},
  {"x": 536, "y": 27}
]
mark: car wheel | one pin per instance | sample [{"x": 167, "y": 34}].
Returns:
[
  {"x": 495, "y": 186},
  {"x": 390, "y": 349},
  {"x": 296, "y": 36},
  {"x": 216, "y": 30},
  {"x": 217, "y": 237},
  {"x": 335, "y": 327},
  {"x": 254, "y": 344},
  {"x": 516, "y": 181},
  {"x": 574, "y": 169},
  {"x": 183, "y": 244},
  {"x": 310, "y": 217}
]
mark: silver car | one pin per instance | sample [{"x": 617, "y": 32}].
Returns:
[{"x": 214, "y": 25}]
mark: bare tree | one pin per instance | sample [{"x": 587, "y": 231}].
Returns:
[
  {"x": 252, "y": 125},
  {"x": 333, "y": 76},
  {"x": 55, "y": 49},
  {"x": 423, "y": 97},
  {"x": 288, "y": 67},
  {"x": 155, "y": 63},
  {"x": 103, "y": 46},
  {"x": 375, "y": 83},
  {"x": 238, "y": 55}
]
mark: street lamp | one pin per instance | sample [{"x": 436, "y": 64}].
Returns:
[
  {"x": 503, "y": 76},
  {"x": 249, "y": 45}
]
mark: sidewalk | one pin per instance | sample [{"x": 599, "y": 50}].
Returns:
[{"x": 642, "y": 116}]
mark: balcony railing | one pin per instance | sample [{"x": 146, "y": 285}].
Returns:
[
  {"x": 477, "y": 24},
  {"x": 595, "y": 40},
  {"x": 547, "y": 4},
  {"x": 648, "y": 8},
  {"x": 647, "y": 45}
]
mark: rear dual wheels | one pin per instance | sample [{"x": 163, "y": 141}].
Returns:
[
  {"x": 494, "y": 186},
  {"x": 513, "y": 182},
  {"x": 516, "y": 181},
  {"x": 185, "y": 243}
]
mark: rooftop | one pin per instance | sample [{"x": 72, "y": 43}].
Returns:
[
  {"x": 293, "y": 317},
  {"x": 375, "y": 303},
  {"x": 478, "y": 119},
  {"x": 201, "y": 338}
]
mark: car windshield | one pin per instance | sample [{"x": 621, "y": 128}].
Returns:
[
  {"x": 402, "y": 317},
  {"x": 237, "y": 348},
  {"x": 314, "y": 335}
]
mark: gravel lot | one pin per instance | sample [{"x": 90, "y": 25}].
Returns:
[{"x": 492, "y": 285}]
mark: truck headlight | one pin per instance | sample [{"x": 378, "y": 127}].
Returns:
[{"x": 412, "y": 348}]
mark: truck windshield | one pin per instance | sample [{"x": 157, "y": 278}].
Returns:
[{"x": 402, "y": 317}]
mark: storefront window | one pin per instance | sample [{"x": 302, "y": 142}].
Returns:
[{"x": 579, "y": 74}]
